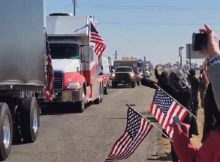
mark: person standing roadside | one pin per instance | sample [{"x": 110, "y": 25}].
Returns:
[
  {"x": 176, "y": 85},
  {"x": 209, "y": 151},
  {"x": 195, "y": 83}
]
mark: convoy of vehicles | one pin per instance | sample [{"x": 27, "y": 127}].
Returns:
[
  {"x": 80, "y": 76},
  {"x": 75, "y": 63},
  {"x": 22, "y": 71},
  {"x": 136, "y": 64}
]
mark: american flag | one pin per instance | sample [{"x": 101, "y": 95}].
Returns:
[
  {"x": 136, "y": 130},
  {"x": 96, "y": 38},
  {"x": 164, "y": 108},
  {"x": 49, "y": 89}
]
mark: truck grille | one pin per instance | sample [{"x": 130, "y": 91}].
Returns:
[
  {"x": 122, "y": 76},
  {"x": 58, "y": 80}
]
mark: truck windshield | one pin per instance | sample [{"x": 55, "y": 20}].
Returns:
[
  {"x": 64, "y": 51},
  {"x": 124, "y": 69}
]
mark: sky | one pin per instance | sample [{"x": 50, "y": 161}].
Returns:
[{"x": 151, "y": 28}]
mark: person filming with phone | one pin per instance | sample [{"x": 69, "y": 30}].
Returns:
[{"x": 210, "y": 149}]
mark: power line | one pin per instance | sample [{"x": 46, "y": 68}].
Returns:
[
  {"x": 154, "y": 23},
  {"x": 153, "y": 7}
]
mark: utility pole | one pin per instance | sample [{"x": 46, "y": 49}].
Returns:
[
  {"x": 116, "y": 54},
  {"x": 74, "y": 7},
  {"x": 180, "y": 55},
  {"x": 144, "y": 68}
]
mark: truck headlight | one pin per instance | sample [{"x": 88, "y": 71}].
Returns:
[
  {"x": 113, "y": 75},
  {"x": 73, "y": 85},
  {"x": 132, "y": 75}
]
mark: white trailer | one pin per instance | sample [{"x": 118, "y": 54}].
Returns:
[{"x": 22, "y": 57}]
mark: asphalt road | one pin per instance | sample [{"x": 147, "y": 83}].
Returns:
[{"x": 68, "y": 136}]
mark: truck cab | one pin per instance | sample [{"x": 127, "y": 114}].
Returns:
[
  {"x": 74, "y": 61},
  {"x": 124, "y": 75}
]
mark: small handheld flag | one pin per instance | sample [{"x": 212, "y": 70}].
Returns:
[
  {"x": 136, "y": 130},
  {"x": 164, "y": 108}
]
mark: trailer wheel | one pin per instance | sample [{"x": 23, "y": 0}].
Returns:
[
  {"x": 5, "y": 131},
  {"x": 30, "y": 119}
]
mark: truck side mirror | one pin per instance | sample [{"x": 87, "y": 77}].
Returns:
[{"x": 81, "y": 54}]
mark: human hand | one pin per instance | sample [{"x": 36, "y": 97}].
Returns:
[
  {"x": 181, "y": 128},
  {"x": 213, "y": 42}
]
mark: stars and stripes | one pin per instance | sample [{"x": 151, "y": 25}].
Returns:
[
  {"x": 96, "y": 38},
  {"x": 49, "y": 89},
  {"x": 164, "y": 108},
  {"x": 136, "y": 130}
]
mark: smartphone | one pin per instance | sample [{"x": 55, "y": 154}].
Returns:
[
  {"x": 199, "y": 41},
  {"x": 176, "y": 119}
]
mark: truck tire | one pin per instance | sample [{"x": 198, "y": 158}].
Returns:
[
  {"x": 102, "y": 93},
  {"x": 100, "y": 96},
  {"x": 106, "y": 89},
  {"x": 114, "y": 84},
  {"x": 80, "y": 106},
  {"x": 133, "y": 85},
  {"x": 30, "y": 119},
  {"x": 5, "y": 131}
]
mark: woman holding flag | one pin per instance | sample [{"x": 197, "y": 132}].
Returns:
[
  {"x": 209, "y": 151},
  {"x": 175, "y": 84}
]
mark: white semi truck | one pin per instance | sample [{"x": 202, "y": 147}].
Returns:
[
  {"x": 22, "y": 61},
  {"x": 75, "y": 63}
]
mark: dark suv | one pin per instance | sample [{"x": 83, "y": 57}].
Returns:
[{"x": 124, "y": 75}]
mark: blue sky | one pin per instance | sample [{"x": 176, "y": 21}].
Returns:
[{"x": 151, "y": 28}]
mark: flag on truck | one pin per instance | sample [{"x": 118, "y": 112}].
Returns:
[
  {"x": 164, "y": 108},
  {"x": 49, "y": 89},
  {"x": 136, "y": 130},
  {"x": 96, "y": 38}
]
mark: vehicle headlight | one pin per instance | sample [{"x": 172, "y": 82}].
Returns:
[
  {"x": 132, "y": 74},
  {"x": 73, "y": 85},
  {"x": 113, "y": 75}
]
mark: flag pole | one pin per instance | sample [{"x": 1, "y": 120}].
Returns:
[{"x": 129, "y": 105}]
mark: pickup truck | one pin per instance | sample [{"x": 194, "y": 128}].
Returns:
[{"x": 124, "y": 75}]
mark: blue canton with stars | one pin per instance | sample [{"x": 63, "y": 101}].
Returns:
[
  {"x": 163, "y": 101},
  {"x": 133, "y": 123}
]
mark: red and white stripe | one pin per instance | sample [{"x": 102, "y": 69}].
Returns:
[
  {"x": 125, "y": 145},
  {"x": 99, "y": 43},
  {"x": 165, "y": 120}
]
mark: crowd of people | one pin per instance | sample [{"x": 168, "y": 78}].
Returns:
[{"x": 185, "y": 89}]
